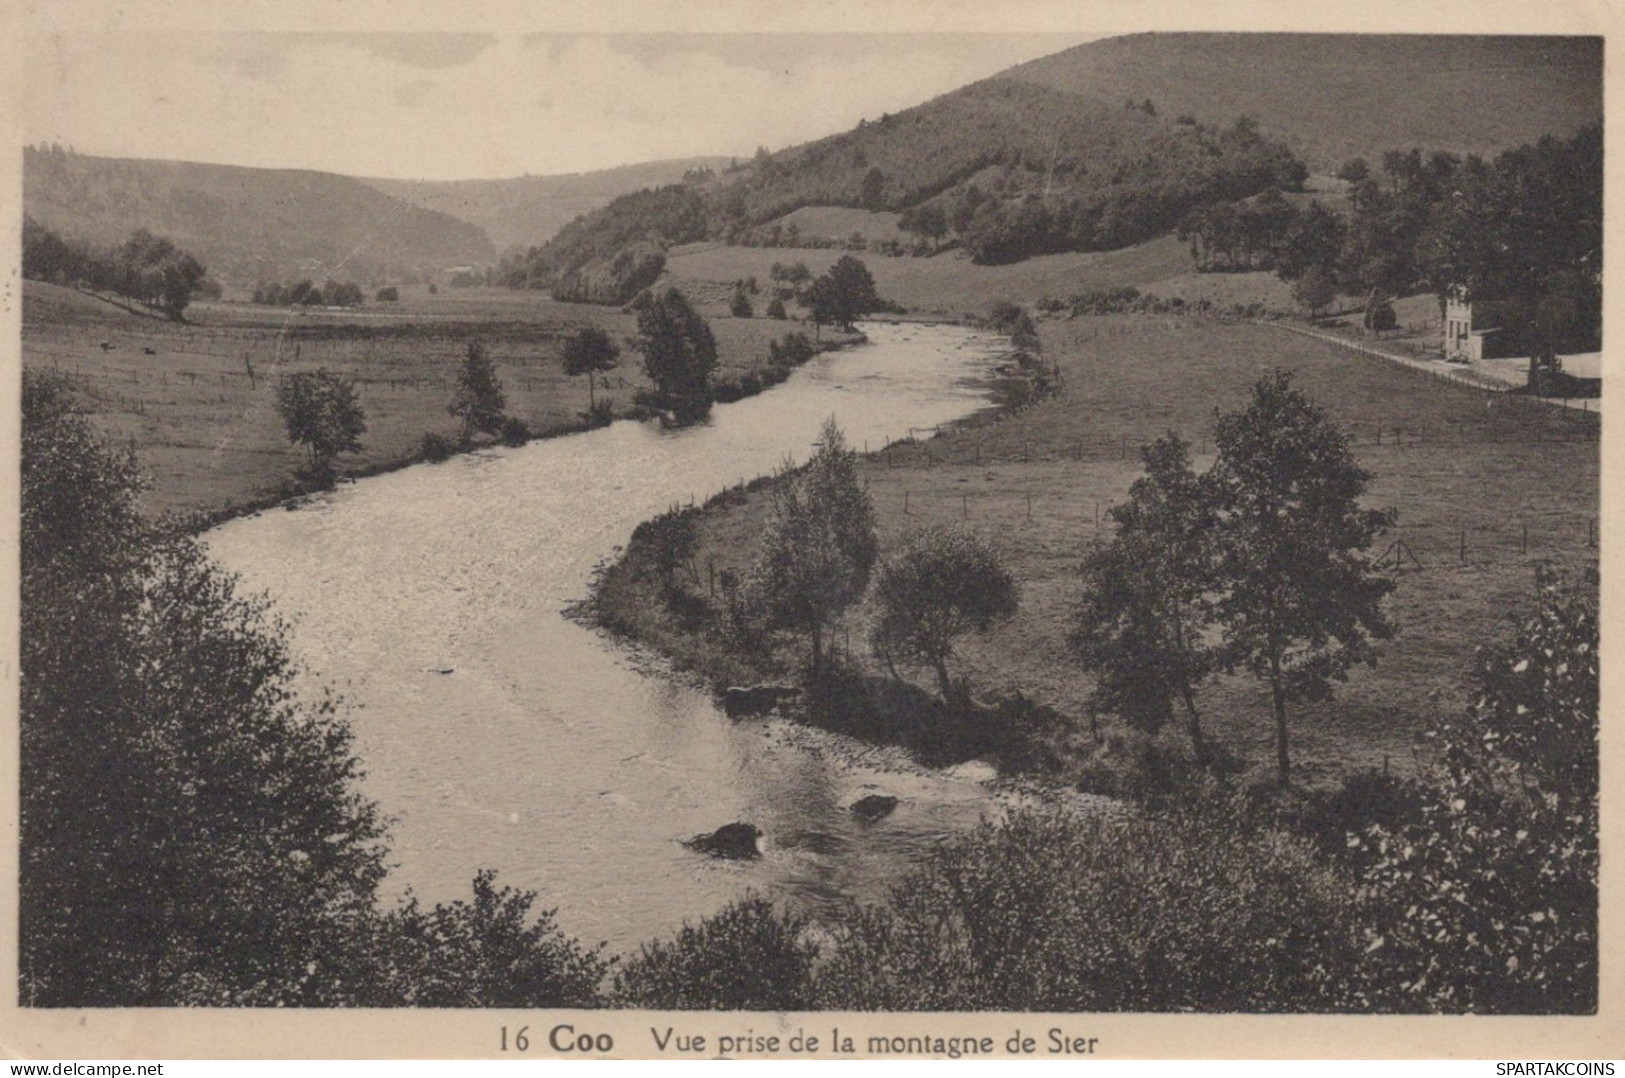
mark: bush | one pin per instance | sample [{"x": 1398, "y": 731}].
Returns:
[
  {"x": 436, "y": 447},
  {"x": 1053, "y": 913},
  {"x": 665, "y": 544},
  {"x": 1488, "y": 902},
  {"x": 514, "y": 431},
  {"x": 746, "y": 958},
  {"x": 389, "y": 294},
  {"x": 775, "y": 309},
  {"x": 485, "y": 953}
]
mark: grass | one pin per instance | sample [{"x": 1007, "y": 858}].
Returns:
[
  {"x": 1468, "y": 472},
  {"x": 947, "y": 283},
  {"x": 209, "y": 435}
]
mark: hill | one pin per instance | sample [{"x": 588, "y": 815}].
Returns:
[
  {"x": 527, "y": 210},
  {"x": 248, "y": 225},
  {"x": 1100, "y": 147},
  {"x": 1332, "y": 97}
]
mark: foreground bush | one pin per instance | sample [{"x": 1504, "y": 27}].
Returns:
[
  {"x": 1052, "y": 913},
  {"x": 484, "y": 953},
  {"x": 1487, "y": 900},
  {"x": 746, "y": 958}
]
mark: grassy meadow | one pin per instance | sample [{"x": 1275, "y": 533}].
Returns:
[
  {"x": 1485, "y": 486},
  {"x": 208, "y": 433}
]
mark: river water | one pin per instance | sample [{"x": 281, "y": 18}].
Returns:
[{"x": 498, "y": 734}]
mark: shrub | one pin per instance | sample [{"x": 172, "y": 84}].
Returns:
[
  {"x": 665, "y": 544},
  {"x": 436, "y": 447},
  {"x": 485, "y": 953},
  {"x": 1053, "y": 913},
  {"x": 514, "y": 431},
  {"x": 748, "y": 957},
  {"x": 775, "y": 309},
  {"x": 1488, "y": 902}
]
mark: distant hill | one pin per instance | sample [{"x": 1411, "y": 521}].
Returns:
[
  {"x": 248, "y": 225},
  {"x": 1332, "y": 97},
  {"x": 1107, "y": 145},
  {"x": 529, "y": 210}
]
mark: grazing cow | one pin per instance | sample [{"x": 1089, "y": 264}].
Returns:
[
  {"x": 740, "y": 702},
  {"x": 106, "y": 347},
  {"x": 735, "y": 841},
  {"x": 150, "y": 351}
]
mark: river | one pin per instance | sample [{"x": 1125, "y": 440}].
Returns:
[{"x": 498, "y": 734}]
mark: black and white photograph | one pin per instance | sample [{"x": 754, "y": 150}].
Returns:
[{"x": 533, "y": 536}]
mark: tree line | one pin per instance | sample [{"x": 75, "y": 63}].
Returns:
[
  {"x": 1524, "y": 229},
  {"x": 306, "y": 293},
  {"x": 147, "y": 269}
]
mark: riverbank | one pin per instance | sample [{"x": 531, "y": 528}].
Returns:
[
  {"x": 196, "y": 401},
  {"x": 1477, "y": 511}
]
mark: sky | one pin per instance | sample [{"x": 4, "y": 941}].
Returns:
[{"x": 444, "y": 106}]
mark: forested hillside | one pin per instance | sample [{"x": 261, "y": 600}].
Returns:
[
  {"x": 1014, "y": 170},
  {"x": 247, "y": 225},
  {"x": 1102, "y": 146}
]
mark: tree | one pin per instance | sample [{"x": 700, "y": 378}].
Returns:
[
  {"x": 679, "y": 355},
  {"x": 1314, "y": 291},
  {"x": 819, "y": 545},
  {"x": 740, "y": 306},
  {"x": 190, "y": 827},
  {"x": 590, "y": 351},
  {"x": 1313, "y": 240},
  {"x": 844, "y": 294},
  {"x": 1143, "y": 624},
  {"x": 1299, "y": 603},
  {"x": 944, "y": 583},
  {"x": 479, "y": 400},
  {"x": 320, "y": 410},
  {"x": 775, "y": 308}
]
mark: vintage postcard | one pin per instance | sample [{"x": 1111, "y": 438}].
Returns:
[{"x": 773, "y": 532}]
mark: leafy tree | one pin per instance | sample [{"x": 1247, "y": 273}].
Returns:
[
  {"x": 1299, "y": 602},
  {"x": 740, "y": 306},
  {"x": 1487, "y": 901},
  {"x": 775, "y": 309},
  {"x": 679, "y": 355},
  {"x": 1354, "y": 170},
  {"x": 844, "y": 294},
  {"x": 479, "y": 400},
  {"x": 1313, "y": 240},
  {"x": 590, "y": 351},
  {"x": 944, "y": 583},
  {"x": 819, "y": 545},
  {"x": 1315, "y": 291},
  {"x": 1143, "y": 624},
  {"x": 190, "y": 828},
  {"x": 320, "y": 410}
]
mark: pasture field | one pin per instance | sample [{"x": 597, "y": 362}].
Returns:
[
  {"x": 197, "y": 401},
  {"x": 945, "y": 284},
  {"x": 1486, "y": 485}
]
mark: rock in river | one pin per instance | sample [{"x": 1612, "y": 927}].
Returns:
[
  {"x": 734, "y": 840},
  {"x": 871, "y": 808}
]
